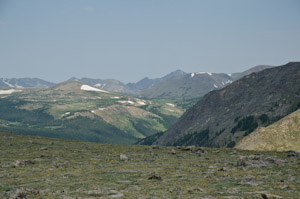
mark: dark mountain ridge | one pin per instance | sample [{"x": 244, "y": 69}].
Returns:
[{"x": 223, "y": 117}]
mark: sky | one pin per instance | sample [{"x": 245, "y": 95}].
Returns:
[{"x": 132, "y": 39}]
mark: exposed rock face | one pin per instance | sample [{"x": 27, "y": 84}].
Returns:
[{"x": 223, "y": 117}]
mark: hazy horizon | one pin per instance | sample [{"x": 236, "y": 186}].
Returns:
[{"x": 130, "y": 40}]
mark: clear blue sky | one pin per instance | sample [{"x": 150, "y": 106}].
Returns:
[{"x": 131, "y": 39}]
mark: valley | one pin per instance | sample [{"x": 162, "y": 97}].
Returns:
[
  {"x": 104, "y": 110},
  {"x": 73, "y": 110},
  {"x": 149, "y": 99}
]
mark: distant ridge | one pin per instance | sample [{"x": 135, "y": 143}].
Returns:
[
  {"x": 107, "y": 84},
  {"x": 176, "y": 85},
  {"x": 147, "y": 83},
  {"x": 193, "y": 85},
  {"x": 254, "y": 69},
  {"x": 24, "y": 83}
]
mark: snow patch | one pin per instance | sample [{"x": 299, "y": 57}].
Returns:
[
  {"x": 141, "y": 102},
  {"x": 126, "y": 102},
  {"x": 7, "y": 83},
  {"x": 97, "y": 85},
  {"x": 192, "y": 74},
  {"x": 173, "y": 105},
  {"x": 90, "y": 88},
  {"x": 201, "y": 73},
  {"x": 130, "y": 102},
  {"x": 228, "y": 82},
  {"x": 8, "y": 92},
  {"x": 216, "y": 86},
  {"x": 18, "y": 86},
  {"x": 115, "y": 97},
  {"x": 65, "y": 114},
  {"x": 229, "y": 74},
  {"x": 170, "y": 110}
]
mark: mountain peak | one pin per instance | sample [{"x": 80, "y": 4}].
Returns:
[{"x": 172, "y": 74}]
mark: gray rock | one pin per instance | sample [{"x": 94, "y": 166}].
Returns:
[
  {"x": 20, "y": 193},
  {"x": 123, "y": 157},
  {"x": 270, "y": 196}
]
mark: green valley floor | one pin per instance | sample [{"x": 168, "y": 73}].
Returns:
[{"x": 36, "y": 167}]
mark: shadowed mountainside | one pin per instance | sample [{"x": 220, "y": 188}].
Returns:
[{"x": 223, "y": 117}]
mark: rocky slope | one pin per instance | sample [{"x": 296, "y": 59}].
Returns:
[
  {"x": 223, "y": 117},
  {"x": 35, "y": 167},
  {"x": 283, "y": 135}
]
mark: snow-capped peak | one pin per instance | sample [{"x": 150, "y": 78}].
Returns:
[
  {"x": 201, "y": 73},
  {"x": 210, "y": 74}
]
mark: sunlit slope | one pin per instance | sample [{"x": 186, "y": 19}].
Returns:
[
  {"x": 283, "y": 135},
  {"x": 74, "y": 110}
]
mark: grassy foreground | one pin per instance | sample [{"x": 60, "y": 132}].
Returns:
[{"x": 36, "y": 167}]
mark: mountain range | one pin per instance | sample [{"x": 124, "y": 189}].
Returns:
[
  {"x": 225, "y": 116},
  {"x": 191, "y": 85},
  {"x": 176, "y": 85},
  {"x": 236, "y": 104}
]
